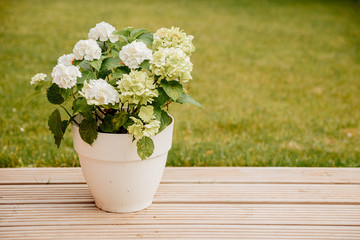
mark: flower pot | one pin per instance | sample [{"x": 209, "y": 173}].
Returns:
[{"x": 117, "y": 178}]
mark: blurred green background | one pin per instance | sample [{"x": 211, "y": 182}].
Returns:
[{"x": 279, "y": 81}]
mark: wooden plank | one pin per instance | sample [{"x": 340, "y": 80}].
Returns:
[
  {"x": 263, "y": 175},
  {"x": 41, "y": 176},
  {"x": 180, "y": 214},
  {"x": 196, "y": 174},
  {"x": 191, "y": 203},
  {"x": 181, "y": 232},
  {"x": 194, "y": 193}
]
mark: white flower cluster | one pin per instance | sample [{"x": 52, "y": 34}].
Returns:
[
  {"x": 172, "y": 64},
  {"x": 66, "y": 59},
  {"x": 38, "y": 78},
  {"x": 65, "y": 76},
  {"x": 103, "y": 31},
  {"x": 134, "y": 54},
  {"x": 137, "y": 88},
  {"x": 99, "y": 92},
  {"x": 87, "y": 49},
  {"x": 174, "y": 37}
]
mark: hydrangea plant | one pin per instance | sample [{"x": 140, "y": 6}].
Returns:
[{"x": 120, "y": 82}]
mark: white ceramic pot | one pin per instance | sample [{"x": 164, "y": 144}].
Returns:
[{"x": 117, "y": 178}]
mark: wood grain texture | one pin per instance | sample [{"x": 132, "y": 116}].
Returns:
[
  {"x": 194, "y": 193},
  {"x": 191, "y": 203},
  {"x": 182, "y": 214},
  {"x": 196, "y": 175},
  {"x": 181, "y": 232}
]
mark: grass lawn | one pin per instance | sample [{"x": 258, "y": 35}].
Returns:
[{"x": 279, "y": 80}]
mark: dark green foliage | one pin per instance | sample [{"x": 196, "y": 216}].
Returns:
[
  {"x": 88, "y": 130},
  {"x": 56, "y": 126},
  {"x": 54, "y": 95}
]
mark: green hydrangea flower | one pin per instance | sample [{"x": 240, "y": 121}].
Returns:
[
  {"x": 140, "y": 130},
  {"x": 137, "y": 88},
  {"x": 146, "y": 113},
  {"x": 174, "y": 37},
  {"x": 172, "y": 64}
]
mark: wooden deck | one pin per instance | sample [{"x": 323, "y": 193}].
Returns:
[{"x": 191, "y": 203}]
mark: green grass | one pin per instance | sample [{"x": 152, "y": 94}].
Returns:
[{"x": 279, "y": 80}]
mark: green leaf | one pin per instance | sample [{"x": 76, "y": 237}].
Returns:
[
  {"x": 85, "y": 65},
  {"x": 76, "y": 62},
  {"x": 53, "y": 94},
  {"x": 114, "y": 53},
  {"x": 56, "y": 126},
  {"x": 172, "y": 88},
  {"x": 104, "y": 74},
  {"x": 128, "y": 123},
  {"x": 79, "y": 86},
  {"x": 119, "y": 120},
  {"x": 116, "y": 47},
  {"x": 80, "y": 105},
  {"x": 162, "y": 98},
  {"x": 185, "y": 98},
  {"x": 146, "y": 38},
  {"x": 86, "y": 75},
  {"x": 101, "y": 45},
  {"x": 110, "y": 63},
  {"x": 124, "y": 32},
  {"x": 164, "y": 120},
  {"x": 96, "y": 64},
  {"x": 157, "y": 112},
  {"x": 125, "y": 39},
  {"x": 119, "y": 72},
  {"x": 163, "y": 117},
  {"x": 145, "y": 147},
  {"x": 65, "y": 92},
  {"x": 65, "y": 124},
  {"x": 106, "y": 125},
  {"x": 137, "y": 32},
  {"x": 88, "y": 130},
  {"x": 113, "y": 82},
  {"x": 146, "y": 65}
]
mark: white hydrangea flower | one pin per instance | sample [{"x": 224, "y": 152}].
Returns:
[
  {"x": 134, "y": 54},
  {"x": 99, "y": 92},
  {"x": 146, "y": 113},
  {"x": 137, "y": 88},
  {"x": 174, "y": 37},
  {"x": 172, "y": 64},
  {"x": 87, "y": 49},
  {"x": 104, "y": 31},
  {"x": 65, "y": 77},
  {"x": 140, "y": 130},
  {"x": 38, "y": 78},
  {"x": 66, "y": 59}
]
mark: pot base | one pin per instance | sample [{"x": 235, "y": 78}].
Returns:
[{"x": 121, "y": 209}]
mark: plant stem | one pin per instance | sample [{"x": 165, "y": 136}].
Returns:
[
  {"x": 73, "y": 94},
  {"x": 98, "y": 117},
  {"x": 167, "y": 104},
  {"x": 105, "y": 47},
  {"x": 100, "y": 110},
  {"x": 69, "y": 114}
]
